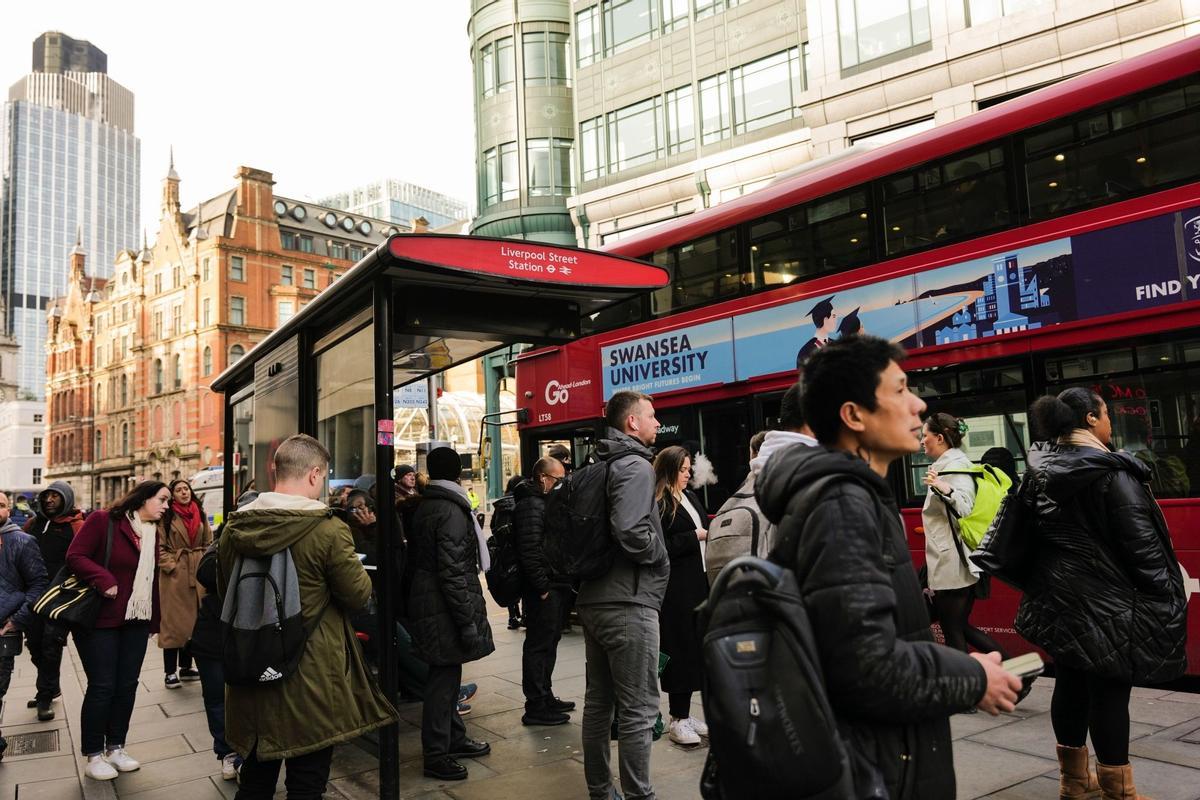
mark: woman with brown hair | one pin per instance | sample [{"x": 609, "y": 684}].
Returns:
[
  {"x": 113, "y": 649},
  {"x": 183, "y": 535},
  {"x": 685, "y": 526}
]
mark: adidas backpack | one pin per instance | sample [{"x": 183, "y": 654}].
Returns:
[
  {"x": 504, "y": 575},
  {"x": 262, "y": 631},
  {"x": 772, "y": 731},
  {"x": 738, "y": 528},
  {"x": 991, "y": 487},
  {"x": 579, "y": 543}
]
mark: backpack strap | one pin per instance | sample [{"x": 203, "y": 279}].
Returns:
[{"x": 785, "y": 548}]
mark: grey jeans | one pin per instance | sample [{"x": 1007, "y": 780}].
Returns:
[{"x": 622, "y": 673}]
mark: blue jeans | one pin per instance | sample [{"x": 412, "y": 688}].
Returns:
[
  {"x": 212, "y": 686},
  {"x": 112, "y": 659}
]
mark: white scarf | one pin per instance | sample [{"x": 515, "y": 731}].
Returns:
[
  {"x": 485, "y": 561},
  {"x": 141, "y": 601}
]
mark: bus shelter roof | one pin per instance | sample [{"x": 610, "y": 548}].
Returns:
[{"x": 455, "y": 298}]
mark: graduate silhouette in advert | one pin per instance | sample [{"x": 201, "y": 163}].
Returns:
[
  {"x": 825, "y": 318},
  {"x": 850, "y": 325}
]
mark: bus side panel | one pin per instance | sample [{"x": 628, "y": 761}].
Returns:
[{"x": 995, "y": 615}]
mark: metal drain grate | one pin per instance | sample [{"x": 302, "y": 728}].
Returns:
[{"x": 31, "y": 744}]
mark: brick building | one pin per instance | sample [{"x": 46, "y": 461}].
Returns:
[{"x": 130, "y": 359}]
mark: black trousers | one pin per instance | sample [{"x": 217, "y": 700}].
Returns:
[
  {"x": 174, "y": 657},
  {"x": 45, "y": 641},
  {"x": 306, "y": 776},
  {"x": 953, "y": 607},
  {"x": 112, "y": 659},
  {"x": 1084, "y": 702},
  {"x": 543, "y": 630},
  {"x": 441, "y": 726}
]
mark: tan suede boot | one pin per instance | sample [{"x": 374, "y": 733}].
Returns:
[
  {"x": 1075, "y": 780},
  {"x": 1117, "y": 782}
]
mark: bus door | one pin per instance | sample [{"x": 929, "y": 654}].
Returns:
[
  {"x": 580, "y": 440},
  {"x": 725, "y": 439}
]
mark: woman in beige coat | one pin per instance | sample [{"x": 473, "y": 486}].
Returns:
[{"x": 184, "y": 535}]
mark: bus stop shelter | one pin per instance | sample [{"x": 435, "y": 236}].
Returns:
[{"x": 416, "y": 305}]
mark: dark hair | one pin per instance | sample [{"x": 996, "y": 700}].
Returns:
[
  {"x": 948, "y": 426},
  {"x": 821, "y": 312},
  {"x": 169, "y": 517},
  {"x": 756, "y": 442},
  {"x": 791, "y": 408},
  {"x": 1053, "y": 416},
  {"x": 513, "y": 483},
  {"x": 1003, "y": 460},
  {"x": 850, "y": 325},
  {"x": 620, "y": 406},
  {"x": 667, "y": 464},
  {"x": 561, "y": 452},
  {"x": 137, "y": 497},
  {"x": 844, "y": 371}
]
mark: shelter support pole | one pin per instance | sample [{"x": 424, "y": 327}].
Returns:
[{"x": 387, "y": 536}]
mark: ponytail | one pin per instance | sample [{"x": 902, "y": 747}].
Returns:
[
  {"x": 949, "y": 427},
  {"x": 1056, "y": 416}
]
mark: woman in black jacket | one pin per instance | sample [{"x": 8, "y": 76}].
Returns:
[
  {"x": 685, "y": 526},
  {"x": 1106, "y": 597},
  {"x": 446, "y": 613}
]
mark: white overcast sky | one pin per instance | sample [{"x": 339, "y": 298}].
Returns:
[{"x": 325, "y": 96}]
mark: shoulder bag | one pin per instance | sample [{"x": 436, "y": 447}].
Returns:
[
  {"x": 1007, "y": 549},
  {"x": 71, "y": 601}
]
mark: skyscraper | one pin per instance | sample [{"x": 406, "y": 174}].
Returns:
[{"x": 70, "y": 169}]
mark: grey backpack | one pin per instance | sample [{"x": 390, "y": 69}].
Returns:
[
  {"x": 739, "y": 529},
  {"x": 262, "y": 630}
]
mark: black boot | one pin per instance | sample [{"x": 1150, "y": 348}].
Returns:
[
  {"x": 45, "y": 710},
  {"x": 445, "y": 769},
  {"x": 469, "y": 748}
]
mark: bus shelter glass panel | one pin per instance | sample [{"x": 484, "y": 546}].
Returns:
[
  {"x": 991, "y": 401},
  {"x": 346, "y": 407},
  {"x": 276, "y": 410},
  {"x": 243, "y": 444},
  {"x": 1153, "y": 397}
]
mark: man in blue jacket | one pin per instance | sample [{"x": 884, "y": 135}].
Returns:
[{"x": 22, "y": 582}]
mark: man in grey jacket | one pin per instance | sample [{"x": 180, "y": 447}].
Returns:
[{"x": 619, "y": 611}]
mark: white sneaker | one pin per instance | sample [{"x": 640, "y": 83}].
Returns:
[
  {"x": 698, "y": 726},
  {"x": 229, "y": 767},
  {"x": 99, "y": 770},
  {"x": 680, "y": 732},
  {"x": 122, "y": 760}
]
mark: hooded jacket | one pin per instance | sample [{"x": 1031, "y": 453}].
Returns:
[
  {"x": 891, "y": 687},
  {"x": 331, "y": 697},
  {"x": 537, "y": 576},
  {"x": 1106, "y": 594},
  {"x": 447, "y": 616},
  {"x": 641, "y": 567},
  {"x": 22, "y": 575},
  {"x": 54, "y": 535}
]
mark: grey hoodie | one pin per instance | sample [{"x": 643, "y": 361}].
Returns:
[{"x": 640, "y": 571}]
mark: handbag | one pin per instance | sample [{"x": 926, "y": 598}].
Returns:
[
  {"x": 1007, "y": 549},
  {"x": 70, "y": 600}
]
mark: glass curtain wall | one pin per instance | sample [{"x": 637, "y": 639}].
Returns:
[{"x": 346, "y": 406}]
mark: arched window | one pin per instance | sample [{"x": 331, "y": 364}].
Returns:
[
  {"x": 124, "y": 392},
  {"x": 206, "y": 368},
  {"x": 235, "y": 354},
  {"x": 125, "y": 439},
  {"x": 158, "y": 376},
  {"x": 178, "y": 370}
]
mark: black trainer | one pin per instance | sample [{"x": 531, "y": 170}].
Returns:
[
  {"x": 561, "y": 706},
  {"x": 544, "y": 716},
  {"x": 34, "y": 702},
  {"x": 189, "y": 674},
  {"x": 445, "y": 769},
  {"x": 469, "y": 748}
]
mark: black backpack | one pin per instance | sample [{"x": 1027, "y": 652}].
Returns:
[
  {"x": 504, "y": 575},
  {"x": 772, "y": 732},
  {"x": 579, "y": 543}
]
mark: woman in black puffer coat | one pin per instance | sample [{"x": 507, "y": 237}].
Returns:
[
  {"x": 1106, "y": 597},
  {"x": 446, "y": 613}
]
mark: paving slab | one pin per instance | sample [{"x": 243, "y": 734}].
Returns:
[
  {"x": 980, "y": 772},
  {"x": 1035, "y": 736}
]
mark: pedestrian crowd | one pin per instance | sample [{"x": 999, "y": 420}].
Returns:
[{"x": 815, "y": 511}]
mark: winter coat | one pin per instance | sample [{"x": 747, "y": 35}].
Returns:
[
  {"x": 447, "y": 616},
  {"x": 54, "y": 535},
  {"x": 178, "y": 591},
  {"x": 206, "y": 633},
  {"x": 891, "y": 687},
  {"x": 944, "y": 559},
  {"x": 529, "y": 524},
  {"x": 85, "y": 558},
  {"x": 686, "y": 588},
  {"x": 331, "y": 697},
  {"x": 641, "y": 567},
  {"x": 1106, "y": 594},
  {"x": 22, "y": 576}
]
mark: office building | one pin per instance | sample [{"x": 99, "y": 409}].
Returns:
[
  {"x": 400, "y": 202},
  {"x": 70, "y": 168}
]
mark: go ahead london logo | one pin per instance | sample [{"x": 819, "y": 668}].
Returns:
[{"x": 559, "y": 393}]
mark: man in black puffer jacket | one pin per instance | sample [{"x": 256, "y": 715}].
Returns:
[
  {"x": 543, "y": 594},
  {"x": 446, "y": 612},
  {"x": 891, "y": 686}
]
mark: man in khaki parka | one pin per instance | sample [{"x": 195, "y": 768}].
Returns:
[{"x": 331, "y": 697}]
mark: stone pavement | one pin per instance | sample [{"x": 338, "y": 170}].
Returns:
[{"x": 1009, "y": 757}]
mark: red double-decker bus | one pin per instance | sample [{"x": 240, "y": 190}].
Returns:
[{"x": 1050, "y": 241}]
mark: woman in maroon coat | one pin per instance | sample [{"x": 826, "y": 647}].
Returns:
[{"x": 113, "y": 649}]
